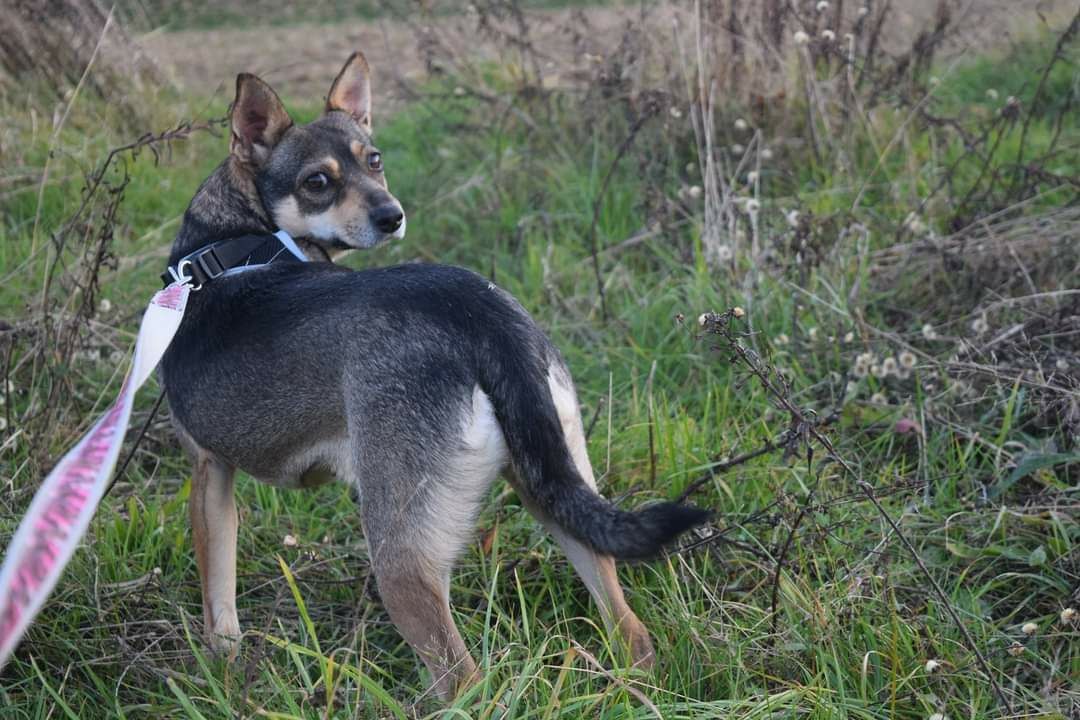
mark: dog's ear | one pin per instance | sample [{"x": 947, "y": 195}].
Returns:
[
  {"x": 351, "y": 91},
  {"x": 258, "y": 120}
]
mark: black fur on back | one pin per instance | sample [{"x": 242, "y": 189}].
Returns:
[{"x": 274, "y": 341}]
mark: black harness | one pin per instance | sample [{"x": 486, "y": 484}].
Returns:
[{"x": 216, "y": 259}]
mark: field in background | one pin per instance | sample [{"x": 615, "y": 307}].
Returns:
[{"x": 890, "y": 197}]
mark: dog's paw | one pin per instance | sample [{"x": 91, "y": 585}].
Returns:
[{"x": 223, "y": 636}]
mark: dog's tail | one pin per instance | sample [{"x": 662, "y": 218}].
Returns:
[{"x": 526, "y": 411}]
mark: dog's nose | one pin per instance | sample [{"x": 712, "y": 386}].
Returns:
[{"x": 387, "y": 218}]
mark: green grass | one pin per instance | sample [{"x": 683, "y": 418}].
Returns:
[{"x": 854, "y": 624}]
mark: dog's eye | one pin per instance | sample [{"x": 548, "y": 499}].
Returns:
[
  {"x": 316, "y": 182},
  {"x": 374, "y": 161}
]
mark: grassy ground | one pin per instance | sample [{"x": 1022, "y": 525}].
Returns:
[{"x": 800, "y": 601}]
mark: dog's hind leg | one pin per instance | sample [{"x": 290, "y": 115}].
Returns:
[
  {"x": 419, "y": 513},
  {"x": 212, "y": 508},
  {"x": 596, "y": 570}
]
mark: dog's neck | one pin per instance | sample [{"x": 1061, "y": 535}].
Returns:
[{"x": 226, "y": 205}]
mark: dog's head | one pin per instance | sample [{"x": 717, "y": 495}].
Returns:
[{"x": 322, "y": 182}]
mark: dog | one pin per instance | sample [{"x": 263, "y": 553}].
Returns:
[{"x": 416, "y": 384}]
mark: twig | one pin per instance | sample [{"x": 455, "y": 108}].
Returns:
[
  {"x": 598, "y": 203},
  {"x": 720, "y": 324}
]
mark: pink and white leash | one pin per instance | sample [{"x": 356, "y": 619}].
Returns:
[{"x": 67, "y": 499}]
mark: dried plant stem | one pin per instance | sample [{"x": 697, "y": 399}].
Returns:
[{"x": 801, "y": 427}]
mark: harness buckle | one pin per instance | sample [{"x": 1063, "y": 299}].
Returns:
[{"x": 179, "y": 276}]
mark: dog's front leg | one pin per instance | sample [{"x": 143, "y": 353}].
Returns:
[{"x": 213, "y": 531}]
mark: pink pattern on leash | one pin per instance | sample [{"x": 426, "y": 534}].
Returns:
[{"x": 60, "y": 512}]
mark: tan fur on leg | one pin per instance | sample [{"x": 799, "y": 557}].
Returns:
[
  {"x": 418, "y": 605},
  {"x": 213, "y": 530}
]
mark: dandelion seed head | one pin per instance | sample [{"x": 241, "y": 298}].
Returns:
[
  {"x": 694, "y": 191},
  {"x": 752, "y": 206},
  {"x": 766, "y": 154},
  {"x": 1016, "y": 649},
  {"x": 751, "y": 177},
  {"x": 289, "y": 541},
  {"x": 879, "y": 399},
  {"x": 741, "y": 124},
  {"x": 738, "y": 312},
  {"x": 828, "y": 35},
  {"x": 991, "y": 94},
  {"x": 849, "y": 337},
  {"x": 822, "y": 5},
  {"x": 888, "y": 366},
  {"x": 928, "y": 332},
  {"x": 738, "y": 149},
  {"x": 864, "y": 11},
  {"x": 1068, "y": 616},
  {"x": 459, "y": 91},
  {"x": 932, "y": 666},
  {"x": 105, "y": 305},
  {"x": 675, "y": 112},
  {"x": 979, "y": 325},
  {"x": 1029, "y": 629},
  {"x": 800, "y": 37},
  {"x": 907, "y": 359},
  {"x": 877, "y": 370},
  {"x": 1062, "y": 364},
  {"x": 792, "y": 217},
  {"x": 724, "y": 253}
]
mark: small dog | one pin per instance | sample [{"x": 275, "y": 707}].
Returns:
[{"x": 416, "y": 384}]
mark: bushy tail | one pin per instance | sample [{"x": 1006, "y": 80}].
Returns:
[{"x": 515, "y": 378}]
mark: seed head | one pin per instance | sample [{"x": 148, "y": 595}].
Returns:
[
  {"x": 1016, "y": 649},
  {"x": 675, "y": 112},
  {"x": 849, "y": 337},
  {"x": 738, "y": 312},
  {"x": 932, "y": 666},
  {"x": 907, "y": 359},
  {"x": 289, "y": 541},
  {"x": 828, "y": 35},
  {"x": 800, "y": 37},
  {"x": 752, "y": 206},
  {"x": 928, "y": 332},
  {"x": 1068, "y": 616},
  {"x": 822, "y": 5},
  {"x": 888, "y": 366},
  {"x": 741, "y": 124},
  {"x": 1029, "y": 629},
  {"x": 766, "y": 154},
  {"x": 738, "y": 149},
  {"x": 992, "y": 94},
  {"x": 694, "y": 191},
  {"x": 979, "y": 325},
  {"x": 879, "y": 399},
  {"x": 864, "y": 11},
  {"x": 751, "y": 177}
]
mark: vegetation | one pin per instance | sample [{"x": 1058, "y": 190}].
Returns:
[{"x": 899, "y": 231}]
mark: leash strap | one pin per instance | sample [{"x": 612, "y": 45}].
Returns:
[{"x": 67, "y": 499}]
